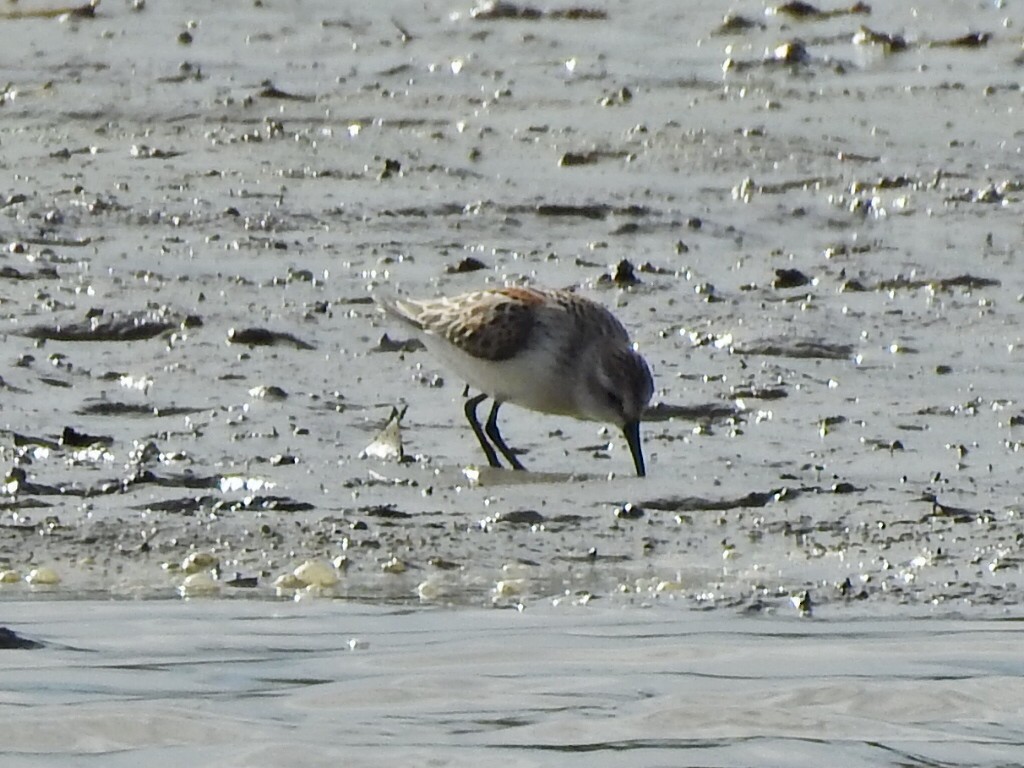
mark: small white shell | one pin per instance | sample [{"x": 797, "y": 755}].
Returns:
[
  {"x": 387, "y": 445},
  {"x": 198, "y": 584},
  {"x": 509, "y": 587},
  {"x": 316, "y": 573},
  {"x": 430, "y": 589},
  {"x": 42, "y": 576},
  {"x": 199, "y": 561},
  {"x": 288, "y": 581}
]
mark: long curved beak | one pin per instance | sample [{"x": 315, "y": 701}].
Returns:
[{"x": 632, "y": 433}]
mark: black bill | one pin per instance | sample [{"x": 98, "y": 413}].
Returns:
[{"x": 632, "y": 433}]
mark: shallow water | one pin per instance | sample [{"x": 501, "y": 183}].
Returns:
[
  {"x": 318, "y": 683},
  {"x": 828, "y": 292}
]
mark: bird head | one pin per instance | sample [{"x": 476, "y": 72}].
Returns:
[{"x": 617, "y": 391}]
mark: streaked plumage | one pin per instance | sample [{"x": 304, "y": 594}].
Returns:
[{"x": 549, "y": 351}]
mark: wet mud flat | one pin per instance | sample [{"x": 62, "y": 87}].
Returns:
[{"x": 810, "y": 222}]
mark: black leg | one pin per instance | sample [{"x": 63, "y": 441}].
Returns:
[
  {"x": 471, "y": 404},
  {"x": 496, "y": 438}
]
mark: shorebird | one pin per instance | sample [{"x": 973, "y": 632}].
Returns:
[{"x": 547, "y": 350}]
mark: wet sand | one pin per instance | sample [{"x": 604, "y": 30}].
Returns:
[{"x": 820, "y": 215}]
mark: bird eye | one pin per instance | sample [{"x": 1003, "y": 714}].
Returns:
[{"x": 613, "y": 400}]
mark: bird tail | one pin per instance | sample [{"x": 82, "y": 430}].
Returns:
[{"x": 400, "y": 310}]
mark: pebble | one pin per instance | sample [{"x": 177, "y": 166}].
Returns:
[
  {"x": 199, "y": 561},
  {"x": 42, "y": 577},
  {"x": 316, "y": 573},
  {"x": 198, "y": 585},
  {"x": 429, "y": 590}
]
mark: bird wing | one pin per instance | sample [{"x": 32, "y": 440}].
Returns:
[{"x": 490, "y": 325}]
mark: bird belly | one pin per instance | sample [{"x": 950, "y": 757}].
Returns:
[{"x": 532, "y": 379}]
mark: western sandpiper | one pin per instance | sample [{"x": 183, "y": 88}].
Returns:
[{"x": 549, "y": 351}]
